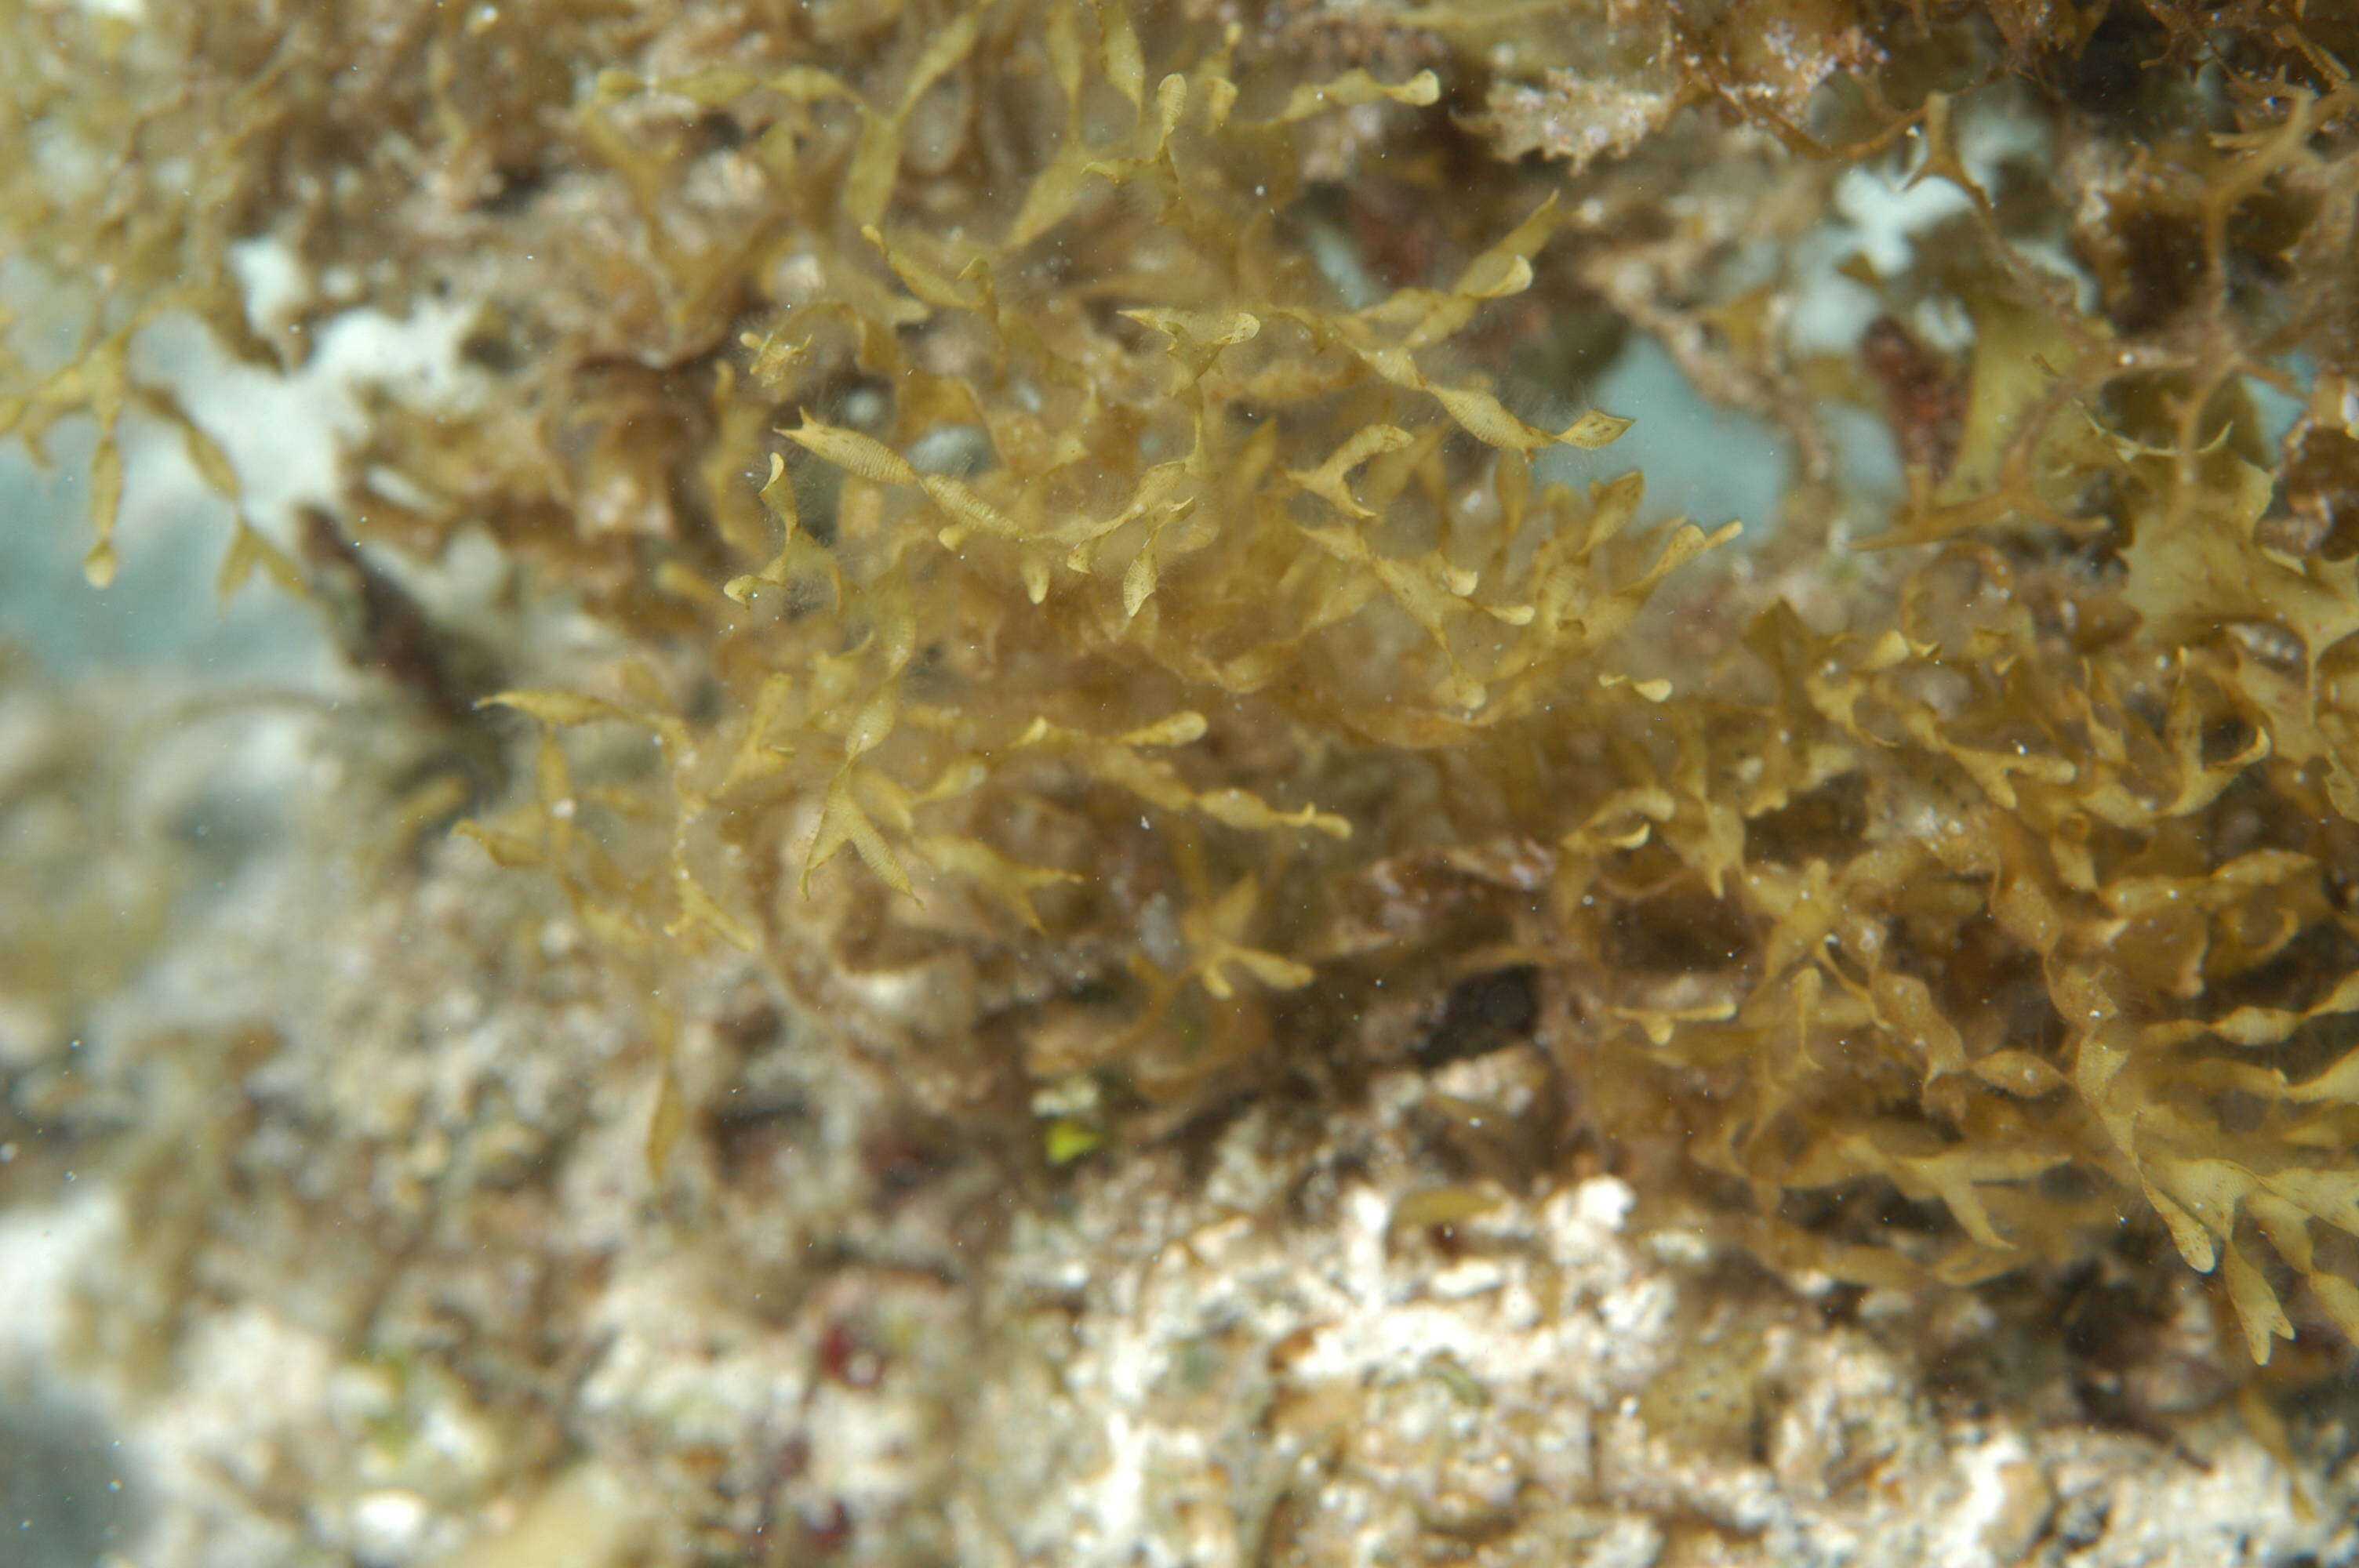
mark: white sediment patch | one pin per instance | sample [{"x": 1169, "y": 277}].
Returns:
[{"x": 43, "y": 1247}]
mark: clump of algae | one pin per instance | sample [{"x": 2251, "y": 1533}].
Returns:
[{"x": 1067, "y": 492}]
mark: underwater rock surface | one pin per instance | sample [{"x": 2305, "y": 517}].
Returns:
[
  {"x": 1067, "y": 782},
  {"x": 424, "y": 1302}
]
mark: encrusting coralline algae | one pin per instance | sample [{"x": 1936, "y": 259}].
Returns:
[{"x": 1014, "y": 682}]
